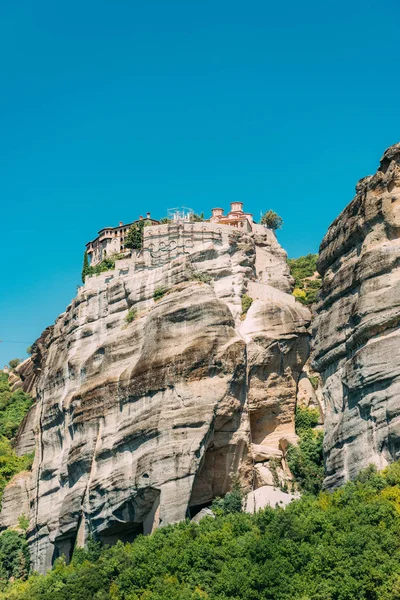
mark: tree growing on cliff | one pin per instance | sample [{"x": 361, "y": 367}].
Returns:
[
  {"x": 14, "y": 362},
  {"x": 271, "y": 220},
  {"x": 86, "y": 267},
  {"x": 134, "y": 238}
]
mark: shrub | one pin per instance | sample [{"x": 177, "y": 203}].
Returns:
[
  {"x": 231, "y": 503},
  {"x": 246, "y": 303},
  {"x": 301, "y": 269},
  {"x": 306, "y": 418},
  {"x": 203, "y": 277},
  {"x": 300, "y": 295},
  {"x": 14, "y": 362},
  {"x": 306, "y": 460},
  {"x": 13, "y": 408},
  {"x": 14, "y": 555},
  {"x": 159, "y": 293},
  {"x": 131, "y": 316},
  {"x": 271, "y": 220},
  {"x": 314, "y": 379},
  {"x": 197, "y": 218},
  {"x": 23, "y": 522}
]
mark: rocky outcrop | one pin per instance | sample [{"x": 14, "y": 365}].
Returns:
[
  {"x": 15, "y": 501},
  {"x": 146, "y": 408},
  {"x": 25, "y": 377},
  {"x": 357, "y": 335}
]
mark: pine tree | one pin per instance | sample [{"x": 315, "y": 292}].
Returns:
[{"x": 86, "y": 267}]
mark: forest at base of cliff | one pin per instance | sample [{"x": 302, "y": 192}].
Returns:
[{"x": 336, "y": 546}]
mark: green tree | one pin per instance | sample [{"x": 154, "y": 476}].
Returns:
[
  {"x": 343, "y": 545},
  {"x": 306, "y": 460},
  {"x": 14, "y": 555},
  {"x": 197, "y": 218},
  {"x": 14, "y": 362},
  {"x": 271, "y": 220},
  {"x": 85, "y": 267},
  {"x": 134, "y": 238}
]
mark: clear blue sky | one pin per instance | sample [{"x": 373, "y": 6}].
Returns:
[{"x": 110, "y": 109}]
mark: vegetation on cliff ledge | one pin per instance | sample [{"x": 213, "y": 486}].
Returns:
[
  {"x": 14, "y": 555},
  {"x": 340, "y": 546},
  {"x": 13, "y": 408},
  {"x": 306, "y": 460},
  {"x": 307, "y": 280}
]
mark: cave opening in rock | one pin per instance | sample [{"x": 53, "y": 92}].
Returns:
[
  {"x": 124, "y": 532},
  {"x": 195, "y": 509}
]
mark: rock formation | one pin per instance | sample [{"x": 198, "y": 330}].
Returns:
[
  {"x": 154, "y": 388},
  {"x": 357, "y": 335}
]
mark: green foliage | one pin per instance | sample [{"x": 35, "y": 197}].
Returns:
[
  {"x": 29, "y": 350},
  {"x": 231, "y": 503},
  {"x": 14, "y": 556},
  {"x": 202, "y": 277},
  {"x": 246, "y": 303},
  {"x": 314, "y": 379},
  {"x": 131, "y": 316},
  {"x": 165, "y": 220},
  {"x": 14, "y": 362},
  {"x": 197, "y": 218},
  {"x": 23, "y": 522},
  {"x": 300, "y": 295},
  {"x": 134, "y": 238},
  {"x": 107, "y": 264},
  {"x": 159, "y": 293},
  {"x": 302, "y": 269},
  {"x": 86, "y": 267},
  {"x": 13, "y": 408},
  {"x": 271, "y": 220},
  {"x": 339, "y": 546},
  {"x": 306, "y": 460},
  {"x": 305, "y": 418}
]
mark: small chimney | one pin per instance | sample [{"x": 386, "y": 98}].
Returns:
[
  {"x": 120, "y": 223},
  {"x": 141, "y": 218},
  {"x": 148, "y": 215}
]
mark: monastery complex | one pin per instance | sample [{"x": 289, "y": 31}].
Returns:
[{"x": 111, "y": 240}]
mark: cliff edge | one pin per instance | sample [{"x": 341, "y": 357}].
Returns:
[
  {"x": 155, "y": 387},
  {"x": 357, "y": 336}
]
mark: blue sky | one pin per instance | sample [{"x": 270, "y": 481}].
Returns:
[{"x": 108, "y": 110}]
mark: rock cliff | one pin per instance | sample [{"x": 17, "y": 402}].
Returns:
[
  {"x": 357, "y": 336},
  {"x": 154, "y": 389}
]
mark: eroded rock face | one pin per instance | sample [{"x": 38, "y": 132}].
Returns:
[
  {"x": 357, "y": 335},
  {"x": 141, "y": 424}
]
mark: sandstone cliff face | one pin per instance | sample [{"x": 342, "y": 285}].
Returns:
[
  {"x": 140, "y": 424},
  {"x": 357, "y": 336}
]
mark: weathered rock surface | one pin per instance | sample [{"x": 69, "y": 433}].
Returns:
[
  {"x": 267, "y": 495},
  {"x": 25, "y": 377},
  {"x": 15, "y": 501},
  {"x": 138, "y": 424},
  {"x": 357, "y": 335}
]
